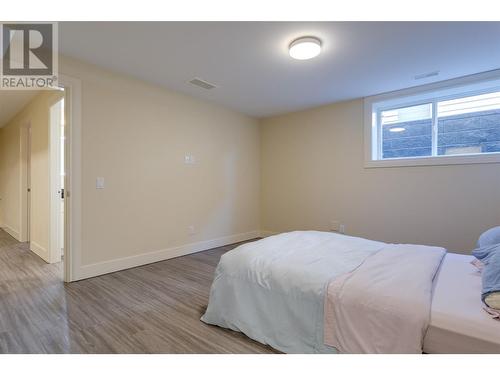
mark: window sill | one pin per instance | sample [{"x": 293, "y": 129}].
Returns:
[{"x": 434, "y": 160}]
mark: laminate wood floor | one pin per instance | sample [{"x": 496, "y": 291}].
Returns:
[{"x": 150, "y": 309}]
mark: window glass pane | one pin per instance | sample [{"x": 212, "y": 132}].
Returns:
[
  {"x": 407, "y": 132},
  {"x": 469, "y": 125}
]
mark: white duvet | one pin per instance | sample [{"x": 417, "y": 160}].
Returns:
[{"x": 272, "y": 290}]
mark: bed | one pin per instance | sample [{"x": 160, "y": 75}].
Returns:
[
  {"x": 458, "y": 322},
  {"x": 274, "y": 290}
]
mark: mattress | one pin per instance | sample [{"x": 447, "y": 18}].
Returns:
[{"x": 458, "y": 322}]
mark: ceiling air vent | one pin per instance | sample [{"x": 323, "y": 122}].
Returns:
[
  {"x": 427, "y": 75},
  {"x": 201, "y": 83}
]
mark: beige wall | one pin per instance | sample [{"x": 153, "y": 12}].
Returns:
[
  {"x": 310, "y": 163},
  {"x": 136, "y": 135},
  {"x": 36, "y": 113},
  {"x": 312, "y": 173}
]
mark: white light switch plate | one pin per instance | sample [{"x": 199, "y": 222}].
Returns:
[
  {"x": 99, "y": 183},
  {"x": 189, "y": 159}
]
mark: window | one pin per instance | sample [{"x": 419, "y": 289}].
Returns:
[
  {"x": 441, "y": 125},
  {"x": 407, "y": 131}
]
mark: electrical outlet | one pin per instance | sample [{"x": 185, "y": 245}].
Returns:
[
  {"x": 342, "y": 228},
  {"x": 191, "y": 230},
  {"x": 334, "y": 226}
]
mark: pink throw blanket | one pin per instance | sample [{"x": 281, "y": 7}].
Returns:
[{"x": 383, "y": 306}]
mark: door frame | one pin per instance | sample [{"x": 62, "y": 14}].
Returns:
[{"x": 73, "y": 178}]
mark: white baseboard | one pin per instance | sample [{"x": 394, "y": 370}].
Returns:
[
  {"x": 39, "y": 250},
  {"x": 96, "y": 269},
  {"x": 267, "y": 233},
  {"x": 12, "y": 232}
]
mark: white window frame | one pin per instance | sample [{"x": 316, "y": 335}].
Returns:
[{"x": 471, "y": 85}]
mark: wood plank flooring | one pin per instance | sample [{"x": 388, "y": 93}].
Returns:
[{"x": 150, "y": 309}]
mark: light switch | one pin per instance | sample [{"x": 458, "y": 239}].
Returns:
[
  {"x": 99, "y": 183},
  {"x": 189, "y": 159}
]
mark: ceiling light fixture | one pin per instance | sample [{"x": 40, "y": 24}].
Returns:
[
  {"x": 397, "y": 130},
  {"x": 305, "y": 48}
]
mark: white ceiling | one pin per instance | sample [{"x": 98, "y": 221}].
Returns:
[
  {"x": 12, "y": 102},
  {"x": 249, "y": 62}
]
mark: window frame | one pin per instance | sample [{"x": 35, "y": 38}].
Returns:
[{"x": 432, "y": 93}]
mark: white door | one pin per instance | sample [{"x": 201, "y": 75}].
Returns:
[
  {"x": 28, "y": 185},
  {"x": 61, "y": 179},
  {"x": 57, "y": 181}
]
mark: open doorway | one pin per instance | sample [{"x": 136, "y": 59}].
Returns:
[
  {"x": 32, "y": 172},
  {"x": 39, "y": 212},
  {"x": 43, "y": 174}
]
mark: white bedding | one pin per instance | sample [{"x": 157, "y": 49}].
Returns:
[
  {"x": 272, "y": 290},
  {"x": 458, "y": 322},
  {"x": 384, "y": 305}
]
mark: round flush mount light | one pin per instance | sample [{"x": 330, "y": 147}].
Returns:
[
  {"x": 397, "y": 130},
  {"x": 305, "y": 48}
]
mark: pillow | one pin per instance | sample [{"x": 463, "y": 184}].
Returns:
[
  {"x": 486, "y": 252},
  {"x": 488, "y": 262},
  {"x": 490, "y": 237},
  {"x": 490, "y": 258}
]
